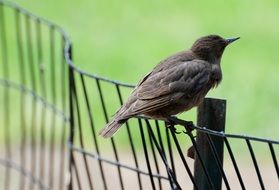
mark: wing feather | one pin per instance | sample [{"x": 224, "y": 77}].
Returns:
[{"x": 166, "y": 87}]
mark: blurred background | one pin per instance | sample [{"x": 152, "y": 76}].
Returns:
[{"x": 123, "y": 40}]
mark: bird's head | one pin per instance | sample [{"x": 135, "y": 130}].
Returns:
[{"x": 210, "y": 48}]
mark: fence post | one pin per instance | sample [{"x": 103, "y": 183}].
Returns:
[{"x": 211, "y": 114}]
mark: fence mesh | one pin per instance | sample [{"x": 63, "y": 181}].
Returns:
[{"x": 51, "y": 112}]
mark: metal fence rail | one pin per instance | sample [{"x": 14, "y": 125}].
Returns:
[{"x": 51, "y": 112}]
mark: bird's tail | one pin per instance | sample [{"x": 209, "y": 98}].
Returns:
[{"x": 111, "y": 128}]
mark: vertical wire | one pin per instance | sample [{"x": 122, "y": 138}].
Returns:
[
  {"x": 6, "y": 114},
  {"x": 43, "y": 111},
  {"x": 72, "y": 121},
  {"x": 168, "y": 143},
  {"x": 255, "y": 163},
  {"x": 200, "y": 159},
  {"x": 81, "y": 137},
  {"x": 33, "y": 154},
  {"x": 170, "y": 153},
  {"x": 63, "y": 99},
  {"x": 90, "y": 115},
  {"x": 154, "y": 155},
  {"x": 22, "y": 96},
  {"x": 234, "y": 163},
  {"x": 146, "y": 154},
  {"x": 183, "y": 158},
  {"x": 112, "y": 139},
  {"x": 77, "y": 175},
  {"x": 163, "y": 150},
  {"x": 218, "y": 161},
  {"x": 273, "y": 155},
  {"x": 160, "y": 137},
  {"x": 173, "y": 181},
  {"x": 130, "y": 140},
  {"x": 167, "y": 135},
  {"x": 53, "y": 96}
]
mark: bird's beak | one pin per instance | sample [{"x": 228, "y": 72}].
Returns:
[{"x": 230, "y": 40}]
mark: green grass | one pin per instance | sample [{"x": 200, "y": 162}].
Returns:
[{"x": 123, "y": 40}]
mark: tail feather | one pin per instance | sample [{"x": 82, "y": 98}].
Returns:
[
  {"x": 110, "y": 128},
  {"x": 116, "y": 122}
]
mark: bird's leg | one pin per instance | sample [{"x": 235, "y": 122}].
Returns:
[
  {"x": 171, "y": 124},
  {"x": 188, "y": 125},
  {"x": 172, "y": 127}
]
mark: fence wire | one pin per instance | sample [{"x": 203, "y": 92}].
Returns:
[{"x": 51, "y": 112}]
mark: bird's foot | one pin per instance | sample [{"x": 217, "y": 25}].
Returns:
[
  {"x": 189, "y": 127},
  {"x": 173, "y": 128},
  {"x": 170, "y": 123}
]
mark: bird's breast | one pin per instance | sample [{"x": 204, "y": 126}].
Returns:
[{"x": 216, "y": 75}]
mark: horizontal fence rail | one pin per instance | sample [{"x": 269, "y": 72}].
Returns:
[{"x": 51, "y": 112}]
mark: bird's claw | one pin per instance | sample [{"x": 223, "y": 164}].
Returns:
[
  {"x": 189, "y": 127},
  {"x": 170, "y": 122},
  {"x": 175, "y": 131},
  {"x": 172, "y": 128}
]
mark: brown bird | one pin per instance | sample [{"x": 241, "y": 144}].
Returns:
[{"x": 176, "y": 84}]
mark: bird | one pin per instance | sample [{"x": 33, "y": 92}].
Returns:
[{"x": 177, "y": 84}]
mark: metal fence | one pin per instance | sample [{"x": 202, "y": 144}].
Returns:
[{"x": 51, "y": 111}]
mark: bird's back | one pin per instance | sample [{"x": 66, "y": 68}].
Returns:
[{"x": 174, "y": 60}]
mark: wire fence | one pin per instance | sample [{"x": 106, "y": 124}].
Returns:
[{"x": 51, "y": 112}]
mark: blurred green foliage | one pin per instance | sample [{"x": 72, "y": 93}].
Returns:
[{"x": 123, "y": 40}]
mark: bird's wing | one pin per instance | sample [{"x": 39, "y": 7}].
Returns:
[
  {"x": 187, "y": 77},
  {"x": 168, "y": 63},
  {"x": 165, "y": 87},
  {"x": 141, "y": 81}
]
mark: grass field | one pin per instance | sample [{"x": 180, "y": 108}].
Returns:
[{"x": 123, "y": 40}]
